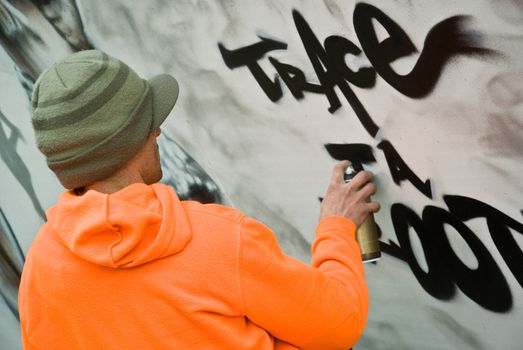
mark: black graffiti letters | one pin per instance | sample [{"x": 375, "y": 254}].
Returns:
[
  {"x": 337, "y": 47},
  {"x": 499, "y": 225},
  {"x": 359, "y": 152},
  {"x": 249, "y": 56},
  {"x": 400, "y": 170},
  {"x": 335, "y": 74},
  {"x": 445, "y": 271},
  {"x": 445, "y": 40},
  {"x": 295, "y": 79},
  {"x": 485, "y": 284},
  {"x": 435, "y": 280}
]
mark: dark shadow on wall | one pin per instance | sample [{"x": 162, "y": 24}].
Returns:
[
  {"x": 64, "y": 16},
  {"x": 11, "y": 262},
  {"x": 24, "y": 44},
  {"x": 11, "y": 28},
  {"x": 185, "y": 175},
  {"x": 14, "y": 162}
]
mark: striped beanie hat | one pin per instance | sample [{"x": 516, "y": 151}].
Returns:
[{"x": 91, "y": 113}]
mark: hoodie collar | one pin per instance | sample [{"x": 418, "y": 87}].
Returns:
[{"x": 136, "y": 225}]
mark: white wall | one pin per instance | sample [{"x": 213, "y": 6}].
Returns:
[{"x": 269, "y": 158}]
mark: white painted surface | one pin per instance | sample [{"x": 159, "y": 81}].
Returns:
[{"x": 269, "y": 158}]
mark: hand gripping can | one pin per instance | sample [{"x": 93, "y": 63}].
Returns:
[{"x": 367, "y": 233}]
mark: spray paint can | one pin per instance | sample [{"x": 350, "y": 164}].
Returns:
[{"x": 367, "y": 233}]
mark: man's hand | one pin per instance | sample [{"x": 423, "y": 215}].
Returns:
[{"x": 349, "y": 199}]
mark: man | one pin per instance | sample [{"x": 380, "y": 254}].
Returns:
[{"x": 122, "y": 263}]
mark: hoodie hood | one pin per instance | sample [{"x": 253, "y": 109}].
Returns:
[{"x": 136, "y": 225}]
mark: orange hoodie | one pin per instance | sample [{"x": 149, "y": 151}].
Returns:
[{"x": 140, "y": 269}]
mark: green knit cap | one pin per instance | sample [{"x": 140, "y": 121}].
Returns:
[{"x": 92, "y": 113}]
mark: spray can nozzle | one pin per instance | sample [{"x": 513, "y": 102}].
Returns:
[{"x": 352, "y": 170}]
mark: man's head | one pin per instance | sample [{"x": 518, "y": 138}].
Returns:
[{"x": 92, "y": 114}]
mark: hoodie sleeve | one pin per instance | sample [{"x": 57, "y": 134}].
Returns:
[{"x": 319, "y": 306}]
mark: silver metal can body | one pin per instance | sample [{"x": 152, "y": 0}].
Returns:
[
  {"x": 367, "y": 232},
  {"x": 367, "y": 238}
]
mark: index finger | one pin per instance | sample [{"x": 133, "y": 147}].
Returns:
[
  {"x": 339, "y": 171},
  {"x": 361, "y": 179}
]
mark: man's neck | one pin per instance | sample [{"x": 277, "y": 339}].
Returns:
[{"x": 116, "y": 182}]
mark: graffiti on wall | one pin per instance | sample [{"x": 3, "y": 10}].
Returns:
[
  {"x": 350, "y": 80},
  {"x": 486, "y": 284},
  {"x": 11, "y": 262}
]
